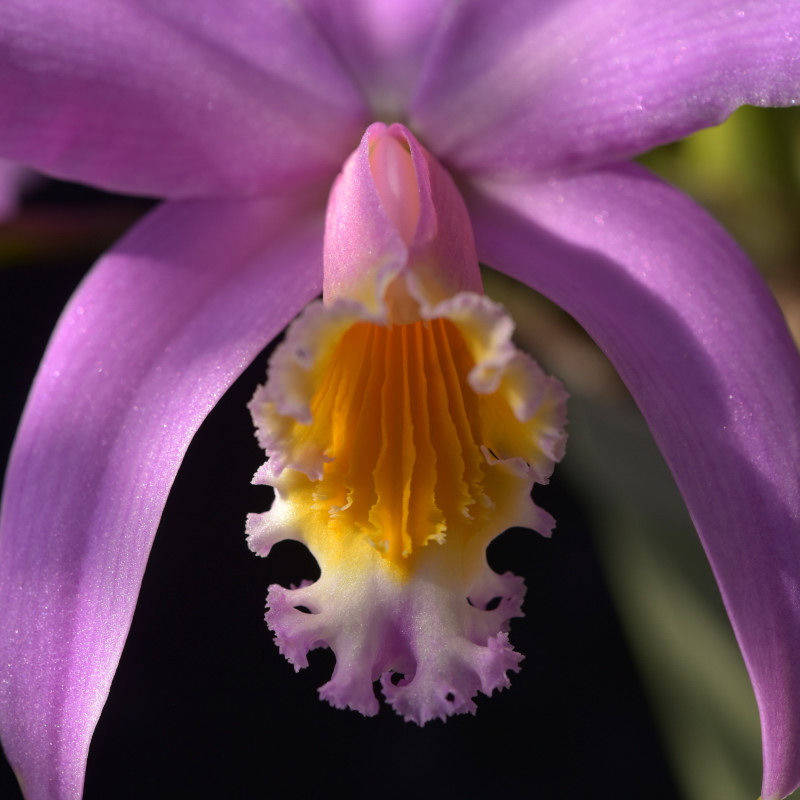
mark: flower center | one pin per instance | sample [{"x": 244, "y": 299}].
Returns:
[{"x": 403, "y": 434}]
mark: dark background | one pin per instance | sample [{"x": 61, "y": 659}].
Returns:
[{"x": 203, "y": 705}]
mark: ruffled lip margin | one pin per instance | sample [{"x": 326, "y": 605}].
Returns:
[{"x": 437, "y": 634}]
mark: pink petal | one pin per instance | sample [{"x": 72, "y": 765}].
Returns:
[
  {"x": 384, "y": 45},
  {"x": 704, "y": 350},
  {"x": 175, "y": 99},
  {"x": 561, "y": 86},
  {"x": 152, "y": 338}
]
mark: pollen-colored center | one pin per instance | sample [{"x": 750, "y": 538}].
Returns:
[{"x": 404, "y": 436}]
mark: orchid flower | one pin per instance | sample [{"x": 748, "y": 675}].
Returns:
[{"x": 240, "y": 116}]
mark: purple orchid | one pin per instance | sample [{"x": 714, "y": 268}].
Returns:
[{"x": 241, "y": 115}]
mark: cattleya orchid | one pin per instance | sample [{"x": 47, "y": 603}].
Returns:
[{"x": 511, "y": 123}]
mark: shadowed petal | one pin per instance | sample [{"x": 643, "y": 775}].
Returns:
[
  {"x": 153, "y": 337},
  {"x": 703, "y": 348},
  {"x": 174, "y": 99},
  {"x": 14, "y": 179},
  {"x": 561, "y": 86},
  {"x": 383, "y": 45}
]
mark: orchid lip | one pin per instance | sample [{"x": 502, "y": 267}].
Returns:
[
  {"x": 403, "y": 433},
  {"x": 398, "y": 452}
]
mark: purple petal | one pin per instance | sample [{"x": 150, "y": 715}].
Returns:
[
  {"x": 175, "y": 99},
  {"x": 562, "y": 86},
  {"x": 383, "y": 45},
  {"x": 152, "y": 338},
  {"x": 704, "y": 350}
]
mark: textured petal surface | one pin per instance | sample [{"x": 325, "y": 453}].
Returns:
[
  {"x": 699, "y": 341},
  {"x": 560, "y": 86},
  {"x": 152, "y": 338},
  {"x": 173, "y": 99},
  {"x": 382, "y": 44}
]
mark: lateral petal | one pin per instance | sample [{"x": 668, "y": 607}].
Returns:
[
  {"x": 701, "y": 344},
  {"x": 564, "y": 86},
  {"x": 170, "y": 99},
  {"x": 155, "y": 334}
]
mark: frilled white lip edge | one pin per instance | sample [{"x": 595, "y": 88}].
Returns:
[
  {"x": 443, "y": 647},
  {"x": 436, "y": 634}
]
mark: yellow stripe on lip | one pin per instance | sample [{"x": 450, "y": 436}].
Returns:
[{"x": 402, "y": 432}]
